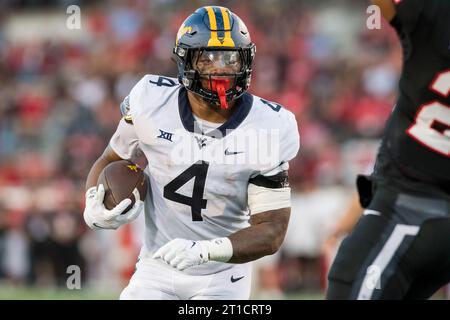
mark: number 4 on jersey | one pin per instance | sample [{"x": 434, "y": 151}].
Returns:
[
  {"x": 197, "y": 171},
  {"x": 432, "y": 124}
]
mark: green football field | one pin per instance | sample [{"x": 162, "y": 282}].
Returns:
[
  {"x": 8, "y": 292},
  {"x": 26, "y": 293}
]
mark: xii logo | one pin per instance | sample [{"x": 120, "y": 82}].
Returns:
[{"x": 165, "y": 135}]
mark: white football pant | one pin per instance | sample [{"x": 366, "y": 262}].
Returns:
[{"x": 156, "y": 280}]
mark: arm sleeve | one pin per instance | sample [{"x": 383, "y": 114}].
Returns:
[{"x": 125, "y": 142}]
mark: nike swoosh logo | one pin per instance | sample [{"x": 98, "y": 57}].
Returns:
[
  {"x": 100, "y": 227},
  {"x": 233, "y": 279},
  {"x": 371, "y": 212},
  {"x": 230, "y": 153},
  {"x": 193, "y": 243}
]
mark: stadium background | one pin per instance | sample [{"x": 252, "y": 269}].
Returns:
[{"x": 60, "y": 92}]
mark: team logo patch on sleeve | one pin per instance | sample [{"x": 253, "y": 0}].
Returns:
[{"x": 125, "y": 110}]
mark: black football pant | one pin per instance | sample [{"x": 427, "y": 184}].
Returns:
[{"x": 399, "y": 249}]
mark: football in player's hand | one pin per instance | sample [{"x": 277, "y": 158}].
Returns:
[{"x": 119, "y": 178}]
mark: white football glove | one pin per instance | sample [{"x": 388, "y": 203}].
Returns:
[
  {"x": 97, "y": 216},
  {"x": 182, "y": 254}
]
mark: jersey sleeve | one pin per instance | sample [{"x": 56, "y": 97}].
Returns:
[
  {"x": 276, "y": 176},
  {"x": 407, "y": 14},
  {"x": 125, "y": 141}
]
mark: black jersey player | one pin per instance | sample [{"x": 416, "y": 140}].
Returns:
[{"x": 400, "y": 248}]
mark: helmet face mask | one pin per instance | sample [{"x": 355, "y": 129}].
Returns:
[{"x": 219, "y": 74}]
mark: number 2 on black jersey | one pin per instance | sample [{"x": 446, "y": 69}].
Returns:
[{"x": 431, "y": 127}]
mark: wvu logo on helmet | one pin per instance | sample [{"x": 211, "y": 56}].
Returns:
[{"x": 182, "y": 31}]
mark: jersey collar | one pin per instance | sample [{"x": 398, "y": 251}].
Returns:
[{"x": 243, "y": 107}]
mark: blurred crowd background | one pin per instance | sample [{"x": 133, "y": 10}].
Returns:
[{"x": 60, "y": 91}]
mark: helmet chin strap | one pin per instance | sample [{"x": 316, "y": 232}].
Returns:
[{"x": 220, "y": 86}]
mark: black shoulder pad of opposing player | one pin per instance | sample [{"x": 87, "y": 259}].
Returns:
[
  {"x": 280, "y": 180},
  {"x": 125, "y": 110}
]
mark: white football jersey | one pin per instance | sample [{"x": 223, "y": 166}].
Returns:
[{"x": 198, "y": 180}]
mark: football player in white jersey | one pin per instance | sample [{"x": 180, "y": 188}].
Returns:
[{"x": 217, "y": 156}]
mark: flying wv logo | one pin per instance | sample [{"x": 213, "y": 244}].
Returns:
[
  {"x": 165, "y": 135},
  {"x": 201, "y": 142}
]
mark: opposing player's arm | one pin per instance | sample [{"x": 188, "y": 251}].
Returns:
[
  {"x": 387, "y": 8},
  {"x": 403, "y": 15}
]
